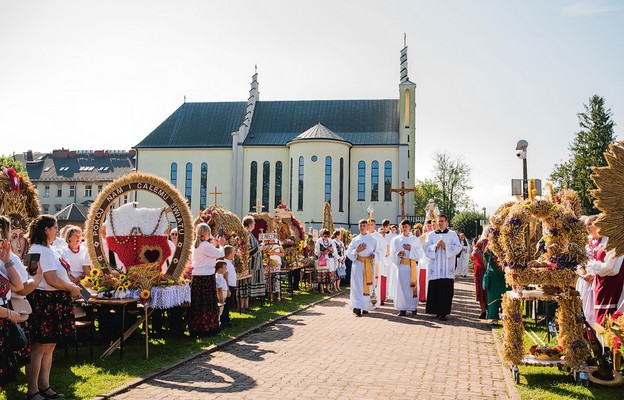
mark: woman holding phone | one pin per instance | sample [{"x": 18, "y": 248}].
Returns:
[{"x": 53, "y": 314}]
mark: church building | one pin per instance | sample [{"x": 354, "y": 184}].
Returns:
[{"x": 349, "y": 153}]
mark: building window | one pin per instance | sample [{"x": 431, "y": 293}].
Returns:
[
  {"x": 361, "y": 181},
  {"x": 46, "y": 191},
  {"x": 341, "y": 188},
  {"x": 100, "y": 187},
  {"x": 300, "y": 198},
  {"x": 375, "y": 181},
  {"x": 407, "y": 108},
  {"x": 188, "y": 186},
  {"x": 328, "y": 166},
  {"x": 266, "y": 178},
  {"x": 174, "y": 174},
  {"x": 72, "y": 190},
  {"x": 387, "y": 180},
  {"x": 88, "y": 191},
  {"x": 59, "y": 190},
  {"x": 203, "y": 186},
  {"x": 314, "y": 158},
  {"x": 278, "y": 183},
  {"x": 125, "y": 199},
  {"x": 290, "y": 187},
  {"x": 45, "y": 208},
  {"x": 253, "y": 186},
  {"x": 57, "y": 207}
]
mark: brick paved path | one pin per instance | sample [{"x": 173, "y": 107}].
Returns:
[{"x": 327, "y": 352}]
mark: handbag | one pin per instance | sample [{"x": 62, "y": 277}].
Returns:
[
  {"x": 21, "y": 306},
  {"x": 17, "y": 337},
  {"x": 321, "y": 263}
]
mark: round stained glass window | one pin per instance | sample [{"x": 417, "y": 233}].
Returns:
[{"x": 314, "y": 158}]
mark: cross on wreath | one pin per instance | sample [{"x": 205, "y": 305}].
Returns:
[
  {"x": 215, "y": 195},
  {"x": 402, "y": 191}
]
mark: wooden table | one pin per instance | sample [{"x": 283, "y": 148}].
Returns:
[{"x": 124, "y": 333}]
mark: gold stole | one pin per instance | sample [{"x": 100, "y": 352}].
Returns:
[
  {"x": 368, "y": 274},
  {"x": 413, "y": 274}
]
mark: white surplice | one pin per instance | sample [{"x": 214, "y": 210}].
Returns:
[
  {"x": 357, "y": 298},
  {"x": 462, "y": 260},
  {"x": 441, "y": 261},
  {"x": 404, "y": 299},
  {"x": 391, "y": 278}
]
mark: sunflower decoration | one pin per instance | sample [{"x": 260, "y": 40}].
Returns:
[
  {"x": 609, "y": 181},
  {"x": 145, "y": 294}
]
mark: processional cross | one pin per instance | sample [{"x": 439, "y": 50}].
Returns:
[
  {"x": 402, "y": 191},
  {"x": 215, "y": 195}
]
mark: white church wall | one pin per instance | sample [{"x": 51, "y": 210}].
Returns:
[
  {"x": 382, "y": 209},
  {"x": 260, "y": 155},
  {"x": 314, "y": 181},
  {"x": 219, "y": 163}
]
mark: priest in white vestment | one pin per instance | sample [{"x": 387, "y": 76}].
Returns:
[
  {"x": 388, "y": 277},
  {"x": 361, "y": 252},
  {"x": 463, "y": 256},
  {"x": 441, "y": 247},
  {"x": 406, "y": 251}
]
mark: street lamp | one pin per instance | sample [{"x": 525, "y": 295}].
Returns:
[
  {"x": 484, "y": 217},
  {"x": 521, "y": 153}
]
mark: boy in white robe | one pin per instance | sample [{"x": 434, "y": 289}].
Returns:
[
  {"x": 379, "y": 274},
  {"x": 388, "y": 278},
  {"x": 361, "y": 252},
  {"x": 406, "y": 251},
  {"x": 441, "y": 247}
]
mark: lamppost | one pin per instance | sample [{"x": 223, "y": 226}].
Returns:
[
  {"x": 484, "y": 217},
  {"x": 521, "y": 153}
]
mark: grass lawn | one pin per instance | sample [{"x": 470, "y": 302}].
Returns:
[
  {"x": 84, "y": 378},
  {"x": 549, "y": 383}
]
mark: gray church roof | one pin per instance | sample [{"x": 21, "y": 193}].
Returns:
[
  {"x": 319, "y": 132},
  {"x": 198, "y": 125},
  {"x": 360, "y": 122},
  {"x": 73, "y": 212},
  {"x": 275, "y": 123}
]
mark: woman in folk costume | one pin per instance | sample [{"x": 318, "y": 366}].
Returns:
[
  {"x": 405, "y": 251},
  {"x": 480, "y": 266},
  {"x": 462, "y": 258},
  {"x": 361, "y": 252},
  {"x": 204, "y": 313},
  {"x": 585, "y": 282},
  {"x": 256, "y": 287},
  {"x": 325, "y": 249},
  {"x": 341, "y": 269},
  {"x": 494, "y": 283}
]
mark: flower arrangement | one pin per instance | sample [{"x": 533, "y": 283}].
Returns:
[
  {"x": 546, "y": 352},
  {"x": 107, "y": 283},
  {"x": 612, "y": 330}
]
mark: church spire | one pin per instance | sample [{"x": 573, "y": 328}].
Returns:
[{"x": 404, "y": 77}]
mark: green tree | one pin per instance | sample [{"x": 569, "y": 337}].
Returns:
[
  {"x": 18, "y": 166},
  {"x": 586, "y": 150},
  {"x": 452, "y": 175},
  {"x": 469, "y": 222},
  {"x": 425, "y": 190}
]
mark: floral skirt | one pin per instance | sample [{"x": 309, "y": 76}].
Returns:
[
  {"x": 275, "y": 277},
  {"x": 52, "y": 319},
  {"x": 204, "y": 313},
  {"x": 324, "y": 277}
]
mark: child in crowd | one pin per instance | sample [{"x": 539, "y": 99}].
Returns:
[
  {"x": 222, "y": 287},
  {"x": 230, "y": 278}
]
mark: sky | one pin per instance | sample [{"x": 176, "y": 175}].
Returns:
[{"x": 92, "y": 75}]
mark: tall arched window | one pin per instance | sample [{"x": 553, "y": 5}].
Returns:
[
  {"x": 300, "y": 197},
  {"x": 266, "y": 177},
  {"x": 203, "y": 186},
  {"x": 361, "y": 181},
  {"x": 407, "y": 108},
  {"x": 290, "y": 184},
  {"x": 278, "y": 183},
  {"x": 174, "y": 174},
  {"x": 375, "y": 181},
  {"x": 188, "y": 187},
  {"x": 387, "y": 180},
  {"x": 328, "y": 173},
  {"x": 340, "y": 189},
  {"x": 253, "y": 185}
]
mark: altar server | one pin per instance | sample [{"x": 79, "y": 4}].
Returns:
[
  {"x": 379, "y": 270},
  {"x": 462, "y": 258},
  {"x": 388, "y": 277},
  {"x": 361, "y": 252},
  {"x": 424, "y": 263},
  {"x": 441, "y": 247},
  {"x": 405, "y": 251}
]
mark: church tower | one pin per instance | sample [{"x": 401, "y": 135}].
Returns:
[
  {"x": 407, "y": 130},
  {"x": 238, "y": 138}
]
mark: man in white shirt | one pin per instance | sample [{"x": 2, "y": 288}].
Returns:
[
  {"x": 361, "y": 252},
  {"x": 441, "y": 247}
]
